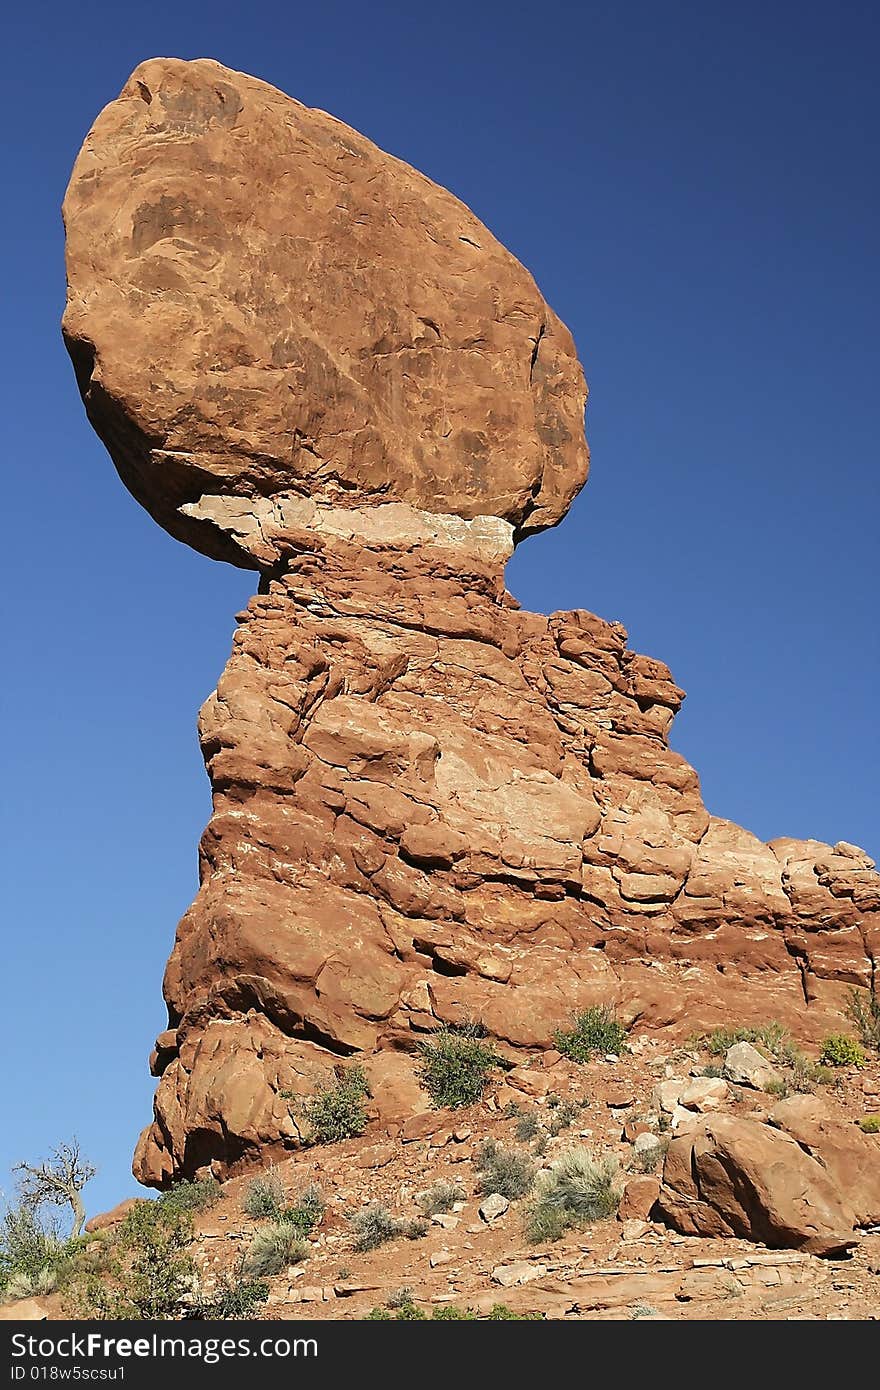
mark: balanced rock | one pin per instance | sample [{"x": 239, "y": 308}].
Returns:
[
  {"x": 428, "y": 805},
  {"x": 269, "y": 315}
]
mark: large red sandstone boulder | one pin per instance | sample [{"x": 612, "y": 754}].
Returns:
[
  {"x": 732, "y": 1176},
  {"x": 264, "y": 305},
  {"x": 851, "y": 1158}
]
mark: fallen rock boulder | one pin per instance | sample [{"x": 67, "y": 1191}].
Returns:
[
  {"x": 739, "y": 1177},
  {"x": 850, "y": 1158},
  {"x": 744, "y": 1065},
  {"x": 638, "y": 1198}
]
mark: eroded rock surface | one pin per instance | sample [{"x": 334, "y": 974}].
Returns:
[
  {"x": 428, "y": 804},
  {"x": 263, "y": 305}
]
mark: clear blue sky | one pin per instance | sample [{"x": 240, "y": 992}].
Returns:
[{"x": 694, "y": 187}]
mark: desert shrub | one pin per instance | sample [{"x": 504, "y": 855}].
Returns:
[
  {"x": 456, "y": 1064},
  {"x": 264, "y": 1196},
  {"x": 863, "y": 1009},
  {"x": 769, "y": 1035},
  {"x": 526, "y": 1128},
  {"x": 26, "y": 1247},
  {"x": 235, "y": 1296},
  {"x": 410, "y": 1312},
  {"x": 187, "y": 1197},
  {"x": 399, "y": 1297},
  {"x": 509, "y": 1172},
  {"x": 442, "y": 1196},
  {"x": 777, "y": 1044},
  {"x": 564, "y": 1116},
  {"x": 501, "y": 1313},
  {"x": 643, "y": 1310},
  {"x": 21, "y": 1285},
  {"x": 152, "y": 1276},
  {"x": 840, "y": 1050},
  {"x": 274, "y": 1246},
  {"x": 375, "y": 1226},
  {"x": 339, "y": 1112},
  {"x": 34, "y": 1260},
  {"x": 575, "y": 1191},
  {"x": 307, "y": 1211},
  {"x": 403, "y": 1311},
  {"x": 870, "y": 1124},
  {"x": 593, "y": 1030},
  {"x": 805, "y": 1075},
  {"x": 545, "y": 1223}
]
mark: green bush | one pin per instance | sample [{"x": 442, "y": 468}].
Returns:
[
  {"x": 863, "y": 1009},
  {"x": 307, "y": 1212},
  {"x": 339, "y": 1112},
  {"x": 235, "y": 1296},
  {"x": 594, "y": 1030},
  {"x": 643, "y": 1310},
  {"x": 26, "y": 1247},
  {"x": 441, "y": 1197},
  {"x": 509, "y": 1172},
  {"x": 456, "y": 1065},
  {"x": 191, "y": 1196},
  {"x": 840, "y": 1050},
  {"x": 870, "y": 1124},
  {"x": 375, "y": 1226},
  {"x": 501, "y": 1313},
  {"x": 771, "y": 1036},
  {"x": 152, "y": 1277},
  {"x": 275, "y": 1246},
  {"x": 776, "y": 1043},
  {"x": 575, "y": 1191},
  {"x": 806, "y": 1075},
  {"x": 21, "y": 1285},
  {"x": 264, "y": 1196},
  {"x": 410, "y": 1312}
]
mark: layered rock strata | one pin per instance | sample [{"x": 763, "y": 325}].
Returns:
[{"x": 429, "y": 805}]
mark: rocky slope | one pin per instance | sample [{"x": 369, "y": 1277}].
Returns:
[
  {"x": 429, "y": 806},
  {"x": 476, "y": 1253}
]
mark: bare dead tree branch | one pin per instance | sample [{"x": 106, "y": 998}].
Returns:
[{"x": 58, "y": 1181}]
